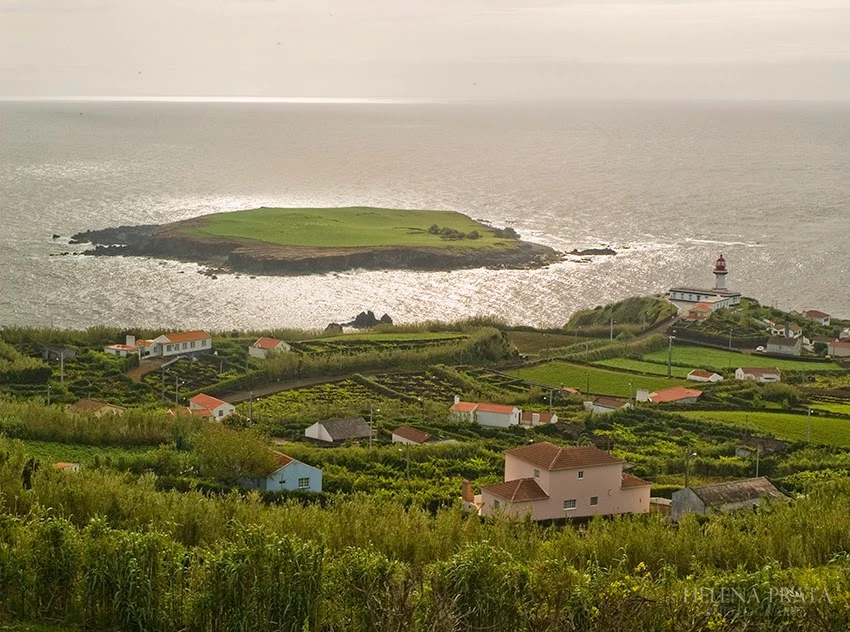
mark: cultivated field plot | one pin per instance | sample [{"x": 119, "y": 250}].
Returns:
[
  {"x": 423, "y": 384},
  {"x": 791, "y": 427},
  {"x": 49, "y": 452},
  {"x": 191, "y": 375},
  {"x": 641, "y": 366},
  {"x": 718, "y": 360},
  {"x": 840, "y": 408},
  {"x": 497, "y": 381},
  {"x": 593, "y": 380},
  {"x": 365, "y": 343},
  {"x": 337, "y": 399}
]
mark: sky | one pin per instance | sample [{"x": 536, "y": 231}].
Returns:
[{"x": 437, "y": 49}]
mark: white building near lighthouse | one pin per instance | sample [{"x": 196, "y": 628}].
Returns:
[{"x": 716, "y": 298}]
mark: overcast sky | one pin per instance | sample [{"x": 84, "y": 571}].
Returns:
[{"x": 743, "y": 49}]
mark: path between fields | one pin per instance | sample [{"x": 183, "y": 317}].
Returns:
[{"x": 279, "y": 387}]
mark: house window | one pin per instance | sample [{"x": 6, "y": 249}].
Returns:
[
  {"x": 203, "y": 343},
  {"x": 185, "y": 345},
  {"x": 581, "y": 473},
  {"x": 192, "y": 345},
  {"x": 594, "y": 500},
  {"x": 570, "y": 505},
  {"x": 495, "y": 504},
  {"x": 168, "y": 347},
  {"x": 304, "y": 483},
  {"x": 536, "y": 473}
]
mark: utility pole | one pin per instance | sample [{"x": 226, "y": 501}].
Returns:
[
  {"x": 163, "y": 383},
  {"x": 688, "y": 468},
  {"x": 48, "y": 393},
  {"x": 371, "y": 422},
  {"x": 758, "y": 452},
  {"x": 808, "y": 425},
  {"x": 612, "y": 328},
  {"x": 176, "y": 391},
  {"x": 550, "y": 401},
  {"x": 730, "y": 340},
  {"x": 62, "y": 367},
  {"x": 251, "y": 405},
  {"x": 669, "y": 357},
  {"x": 586, "y": 350}
]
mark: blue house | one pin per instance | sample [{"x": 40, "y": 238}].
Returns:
[{"x": 288, "y": 474}]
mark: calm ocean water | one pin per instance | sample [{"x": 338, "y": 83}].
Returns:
[{"x": 668, "y": 185}]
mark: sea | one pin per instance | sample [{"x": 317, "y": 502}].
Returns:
[{"x": 669, "y": 186}]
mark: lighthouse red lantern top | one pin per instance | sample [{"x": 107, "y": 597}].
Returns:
[{"x": 720, "y": 265}]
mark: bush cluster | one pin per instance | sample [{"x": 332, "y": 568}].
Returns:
[{"x": 453, "y": 234}]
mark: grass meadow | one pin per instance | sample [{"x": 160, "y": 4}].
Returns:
[
  {"x": 790, "y": 427},
  {"x": 599, "y": 380}
]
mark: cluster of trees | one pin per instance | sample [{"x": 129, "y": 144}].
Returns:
[
  {"x": 453, "y": 234},
  {"x": 632, "y": 314},
  {"x": 16, "y": 368}
]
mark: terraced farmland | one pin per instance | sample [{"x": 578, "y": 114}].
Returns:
[
  {"x": 719, "y": 360},
  {"x": 791, "y": 427},
  {"x": 363, "y": 343}
]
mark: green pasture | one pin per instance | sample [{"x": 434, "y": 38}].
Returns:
[
  {"x": 640, "y": 366},
  {"x": 347, "y": 227},
  {"x": 601, "y": 380},
  {"x": 718, "y": 360},
  {"x": 832, "y": 407},
  {"x": 790, "y": 427}
]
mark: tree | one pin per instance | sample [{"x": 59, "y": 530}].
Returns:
[{"x": 229, "y": 455}]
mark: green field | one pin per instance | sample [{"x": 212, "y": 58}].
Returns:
[
  {"x": 718, "y": 360},
  {"x": 601, "y": 380},
  {"x": 53, "y": 452},
  {"x": 356, "y": 226},
  {"x": 785, "y": 426},
  {"x": 640, "y": 366},
  {"x": 832, "y": 407}
]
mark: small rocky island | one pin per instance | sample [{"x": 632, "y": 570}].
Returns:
[{"x": 280, "y": 241}]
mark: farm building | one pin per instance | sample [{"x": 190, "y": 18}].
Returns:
[
  {"x": 698, "y": 375},
  {"x": 546, "y": 482},
  {"x": 338, "y": 431},
  {"x": 411, "y": 436},
  {"x": 764, "y": 446},
  {"x": 209, "y": 406},
  {"x": 497, "y": 415},
  {"x": 781, "y": 345},
  {"x": 532, "y": 418},
  {"x": 129, "y": 347},
  {"x": 675, "y": 395},
  {"x": 288, "y": 474},
  {"x": 700, "y": 311},
  {"x": 55, "y": 353},
  {"x": 264, "y": 346},
  {"x": 727, "y": 496},
  {"x": 815, "y": 316},
  {"x": 175, "y": 344},
  {"x": 96, "y": 407},
  {"x": 758, "y": 374},
  {"x": 604, "y": 405}
]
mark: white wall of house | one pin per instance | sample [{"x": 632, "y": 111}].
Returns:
[
  {"x": 499, "y": 420},
  {"x": 162, "y": 347},
  {"x": 766, "y": 377},
  {"x": 839, "y": 350},
  {"x": 404, "y": 440}
]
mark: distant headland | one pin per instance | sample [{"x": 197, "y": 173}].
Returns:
[{"x": 286, "y": 241}]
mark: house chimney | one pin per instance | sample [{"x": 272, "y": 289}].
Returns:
[
  {"x": 466, "y": 492},
  {"x": 642, "y": 395},
  {"x": 457, "y": 399},
  {"x": 131, "y": 341},
  {"x": 535, "y": 419}
]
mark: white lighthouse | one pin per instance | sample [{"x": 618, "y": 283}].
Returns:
[{"x": 720, "y": 273}]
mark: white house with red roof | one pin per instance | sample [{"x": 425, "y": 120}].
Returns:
[
  {"x": 758, "y": 374},
  {"x": 675, "y": 395},
  {"x": 264, "y": 346},
  {"x": 175, "y": 344},
  {"x": 545, "y": 482},
  {"x": 497, "y": 415},
  {"x": 209, "y": 406},
  {"x": 603, "y": 405},
  {"x": 288, "y": 474},
  {"x": 411, "y": 436},
  {"x": 698, "y": 375},
  {"x": 821, "y": 318}
]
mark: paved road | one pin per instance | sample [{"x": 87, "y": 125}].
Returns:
[{"x": 236, "y": 397}]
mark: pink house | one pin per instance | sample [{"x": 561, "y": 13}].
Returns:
[{"x": 546, "y": 482}]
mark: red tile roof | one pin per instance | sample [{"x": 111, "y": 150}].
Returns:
[
  {"x": 64, "y": 466},
  {"x": 464, "y": 407},
  {"x": 520, "y": 490},
  {"x": 412, "y": 434},
  {"x": 187, "y": 336},
  {"x": 267, "y": 343},
  {"x": 674, "y": 394},
  {"x": 122, "y": 347},
  {"x": 545, "y": 418},
  {"x": 813, "y": 313},
  {"x": 633, "y": 481},
  {"x": 552, "y": 457},
  {"x": 609, "y": 402},
  {"x": 495, "y": 408},
  {"x": 760, "y": 371},
  {"x": 701, "y": 373},
  {"x": 207, "y": 401}
]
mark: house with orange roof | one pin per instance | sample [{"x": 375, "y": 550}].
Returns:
[
  {"x": 698, "y": 375},
  {"x": 604, "y": 405},
  {"x": 264, "y": 346},
  {"x": 176, "y": 344},
  {"x": 817, "y": 316},
  {"x": 67, "y": 467},
  {"x": 288, "y": 474},
  {"x": 209, "y": 406},
  {"x": 412, "y": 436},
  {"x": 534, "y": 418},
  {"x": 546, "y": 482},
  {"x": 484, "y": 414},
  {"x": 700, "y": 311},
  {"x": 839, "y": 349},
  {"x": 675, "y": 395}
]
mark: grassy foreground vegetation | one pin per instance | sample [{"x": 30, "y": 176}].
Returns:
[
  {"x": 790, "y": 427},
  {"x": 356, "y": 226}
]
